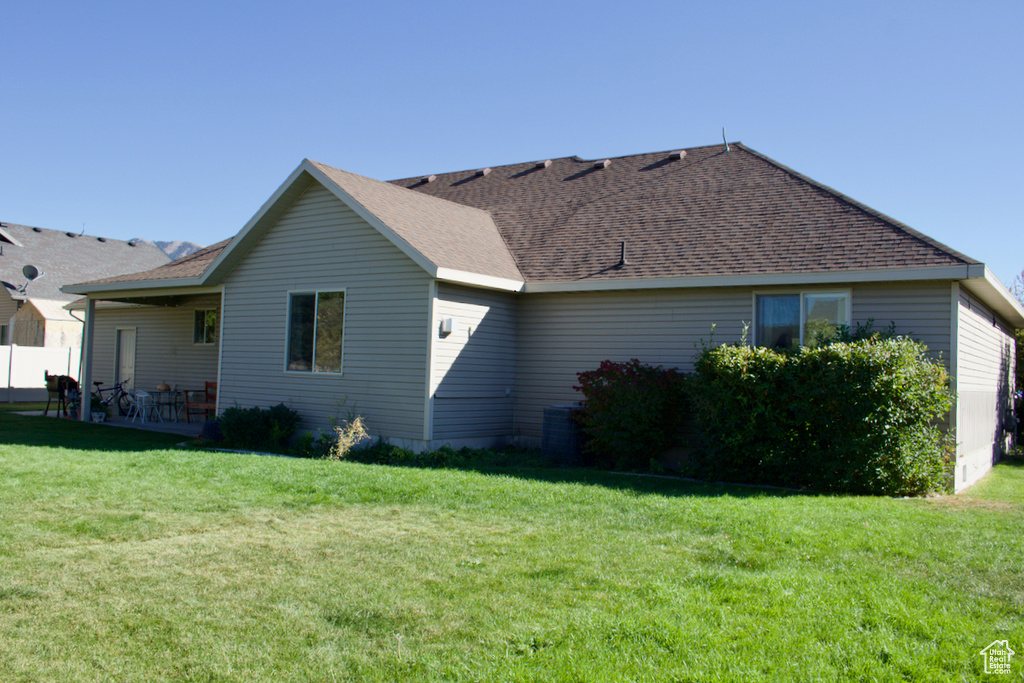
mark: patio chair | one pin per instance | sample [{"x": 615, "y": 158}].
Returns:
[
  {"x": 200, "y": 401},
  {"x": 142, "y": 406},
  {"x": 53, "y": 393}
]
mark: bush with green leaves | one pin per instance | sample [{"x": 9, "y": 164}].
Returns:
[
  {"x": 631, "y": 412},
  {"x": 259, "y": 429},
  {"x": 855, "y": 417}
]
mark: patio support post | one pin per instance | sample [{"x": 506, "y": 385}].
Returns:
[{"x": 85, "y": 376}]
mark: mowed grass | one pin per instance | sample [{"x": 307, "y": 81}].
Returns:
[{"x": 121, "y": 559}]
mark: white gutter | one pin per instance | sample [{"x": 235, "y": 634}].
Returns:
[{"x": 761, "y": 279}]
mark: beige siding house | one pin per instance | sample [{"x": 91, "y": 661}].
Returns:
[{"x": 454, "y": 308}]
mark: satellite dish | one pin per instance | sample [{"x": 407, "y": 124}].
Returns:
[{"x": 30, "y": 272}]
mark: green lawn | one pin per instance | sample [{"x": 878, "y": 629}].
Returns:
[{"x": 121, "y": 560}]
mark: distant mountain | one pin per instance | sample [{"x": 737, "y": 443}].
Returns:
[{"x": 174, "y": 250}]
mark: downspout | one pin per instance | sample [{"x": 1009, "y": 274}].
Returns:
[
  {"x": 428, "y": 403},
  {"x": 220, "y": 352},
  {"x": 10, "y": 369},
  {"x": 954, "y": 367}
]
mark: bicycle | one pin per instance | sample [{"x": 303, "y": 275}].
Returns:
[{"x": 117, "y": 396}]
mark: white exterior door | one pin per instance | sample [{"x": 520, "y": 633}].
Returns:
[{"x": 126, "y": 358}]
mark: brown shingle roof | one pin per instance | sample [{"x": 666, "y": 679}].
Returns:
[
  {"x": 449, "y": 235},
  {"x": 711, "y": 213},
  {"x": 190, "y": 266}
]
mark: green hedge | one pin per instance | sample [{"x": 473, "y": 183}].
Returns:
[
  {"x": 856, "y": 417},
  {"x": 259, "y": 429}
]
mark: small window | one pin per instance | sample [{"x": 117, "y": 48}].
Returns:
[
  {"x": 4, "y": 341},
  {"x": 316, "y": 325},
  {"x": 786, "y": 321},
  {"x": 205, "y": 329}
]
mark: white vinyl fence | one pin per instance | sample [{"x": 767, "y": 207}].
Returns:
[{"x": 22, "y": 370}]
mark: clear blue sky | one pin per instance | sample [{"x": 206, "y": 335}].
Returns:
[{"x": 178, "y": 120}]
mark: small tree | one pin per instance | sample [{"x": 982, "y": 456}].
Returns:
[{"x": 631, "y": 412}]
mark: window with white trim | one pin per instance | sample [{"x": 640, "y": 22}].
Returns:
[
  {"x": 786, "y": 321},
  {"x": 316, "y": 326},
  {"x": 204, "y": 329}
]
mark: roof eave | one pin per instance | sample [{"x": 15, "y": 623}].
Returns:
[
  {"x": 98, "y": 290},
  {"x": 986, "y": 286},
  {"x": 757, "y": 279},
  {"x": 462, "y": 277}
]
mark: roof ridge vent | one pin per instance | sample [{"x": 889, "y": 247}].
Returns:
[
  {"x": 677, "y": 155},
  {"x": 428, "y": 178},
  {"x": 483, "y": 171},
  {"x": 542, "y": 164},
  {"x": 604, "y": 163}
]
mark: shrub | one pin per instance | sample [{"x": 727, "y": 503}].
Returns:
[
  {"x": 631, "y": 412},
  {"x": 856, "y": 417},
  {"x": 259, "y": 429}
]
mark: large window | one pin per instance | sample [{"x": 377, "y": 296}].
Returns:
[
  {"x": 204, "y": 330},
  {"x": 316, "y": 324},
  {"x": 786, "y": 321}
]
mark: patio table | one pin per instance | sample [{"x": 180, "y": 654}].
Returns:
[{"x": 167, "y": 399}]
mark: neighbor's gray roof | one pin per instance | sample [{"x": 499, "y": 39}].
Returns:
[
  {"x": 64, "y": 258},
  {"x": 190, "y": 266}
]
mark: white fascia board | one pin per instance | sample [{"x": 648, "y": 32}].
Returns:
[
  {"x": 463, "y": 277},
  {"x": 757, "y": 280},
  {"x": 993, "y": 293},
  {"x": 418, "y": 258},
  {"x": 10, "y": 238},
  {"x": 144, "y": 289}
]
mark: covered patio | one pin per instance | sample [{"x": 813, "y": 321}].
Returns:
[{"x": 189, "y": 430}]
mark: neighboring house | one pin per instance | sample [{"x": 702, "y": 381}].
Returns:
[
  {"x": 31, "y": 310},
  {"x": 452, "y": 309}
]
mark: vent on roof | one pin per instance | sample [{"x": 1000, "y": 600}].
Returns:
[
  {"x": 677, "y": 155},
  {"x": 131, "y": 244},
  {"x": 71, "y": 234},
  {"x": 543, "y": 164},
  {"x": 604, "y": 163},
  {"x": 622, "y": 257},
  {"x": 483, "y": 171},
  {"x": 37, "y": 229},
  {"x": 428, "y": 178},
  {"x": 101, "y": 239}
]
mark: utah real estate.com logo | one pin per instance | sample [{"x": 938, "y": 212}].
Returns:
[{"x": 997, "y": 657}]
